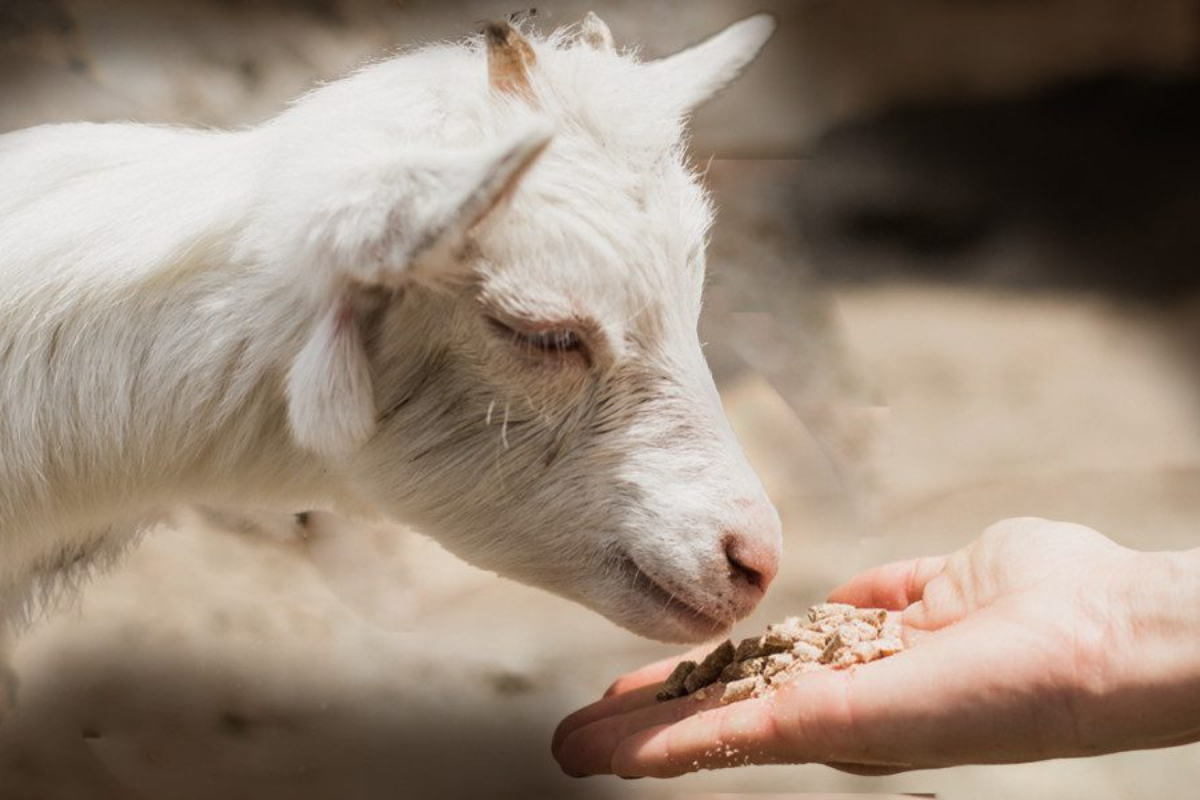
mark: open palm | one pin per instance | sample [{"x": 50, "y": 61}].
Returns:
[{"x": 1011, "y": 644}]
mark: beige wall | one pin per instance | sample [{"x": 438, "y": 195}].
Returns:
[{"x": 219, "y": 62}]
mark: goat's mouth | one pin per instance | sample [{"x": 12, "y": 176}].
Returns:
[{"x": 694, "y": 619}]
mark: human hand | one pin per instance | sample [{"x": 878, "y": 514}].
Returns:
[{"x": 1039, "y": 640}]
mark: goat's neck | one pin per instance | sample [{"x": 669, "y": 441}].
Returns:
[{"x": 170, "y": 398}]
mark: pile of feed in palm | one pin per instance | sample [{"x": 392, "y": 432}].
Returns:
[{"x": 831, "y": 636}]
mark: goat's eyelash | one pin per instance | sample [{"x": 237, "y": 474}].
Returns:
[{"x": 552, "y": 340}]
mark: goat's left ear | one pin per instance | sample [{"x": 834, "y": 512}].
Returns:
[
  {"x": 694, "y": 76},
  {"x": 396, "y": 222},
  {"x": 396, "y": 226},
  {"x": 467, "y": 191}
]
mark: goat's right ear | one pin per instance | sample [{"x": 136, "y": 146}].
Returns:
[
  {"x": 694, "y": 76},
  {"x": 393, "y": 226}
]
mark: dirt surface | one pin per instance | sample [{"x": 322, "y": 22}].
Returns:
[
  {"x": 365, "y": 660},
  {"x": 888, "y": 419}
]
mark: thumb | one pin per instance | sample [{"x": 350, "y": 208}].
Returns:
[{"x": 892, "y": 586}]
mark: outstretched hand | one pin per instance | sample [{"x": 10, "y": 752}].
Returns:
[{"x": 1021, "y": 647}]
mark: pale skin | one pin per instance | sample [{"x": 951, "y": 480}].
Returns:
[{"x": 1039, "y": 640}]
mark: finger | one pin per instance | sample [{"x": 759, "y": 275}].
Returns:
[
  {"x": 726, "y": 736},
  {"x": 656, "y": 672},
  {"x": 588, "y": 749},
  {"x": 892, "y": 586},
  {"x": 611, "y": 706},
  {"x": 637, "y": 688},
  {"x": 606, "y": 733},
  {"x": 946, "y": 600},
  {"x": 917, "y": 618}
]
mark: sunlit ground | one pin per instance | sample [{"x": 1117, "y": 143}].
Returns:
[{"x": 890, "y": 417}]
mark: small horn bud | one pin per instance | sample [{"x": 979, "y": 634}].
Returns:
[
  {"x": 510, "y": 59},
  {"x": 595, "y": 33}
]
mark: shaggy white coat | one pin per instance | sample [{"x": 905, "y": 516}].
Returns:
[{"x": 341, "y": 308}]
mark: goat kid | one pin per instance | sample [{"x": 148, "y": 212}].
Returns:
[{"x": 458, "y": 289}]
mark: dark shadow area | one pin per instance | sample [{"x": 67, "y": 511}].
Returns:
[
  {"x": 165, "y": 727},
  {"x": 1090, "y": 185}
]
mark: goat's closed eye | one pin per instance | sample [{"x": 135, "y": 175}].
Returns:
[{"x": 548, "y": 341}]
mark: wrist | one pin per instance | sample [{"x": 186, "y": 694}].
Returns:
[
  {"x": 1149, "y": 690},
  {"x": 1158, "y": 597}
]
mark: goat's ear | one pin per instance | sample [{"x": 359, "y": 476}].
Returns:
[
  {"x": 404, "y": 223},
  {"x": 405, "y": 226},
  {"x": 331, "y": 400},
  {"x": 694, "y": 76},
  {"x": 473, "y": 188},
  {"x": 595, "y": 34}
]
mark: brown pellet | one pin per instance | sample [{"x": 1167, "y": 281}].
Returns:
[{"x": 829, "y": 636}]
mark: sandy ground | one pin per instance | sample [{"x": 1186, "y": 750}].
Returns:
[
  {"x": 369, "y": 663},
  {"x": 887, "y": 420}
]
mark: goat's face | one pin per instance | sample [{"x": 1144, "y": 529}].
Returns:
[{"x": 546, "y": 411}]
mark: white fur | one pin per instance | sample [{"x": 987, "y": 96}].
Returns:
[{"x": 295, "y": 316}]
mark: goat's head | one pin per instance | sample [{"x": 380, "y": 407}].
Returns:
[{"x": 508, "y": 357}]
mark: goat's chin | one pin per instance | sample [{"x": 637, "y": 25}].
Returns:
[
  {"x": 664, "y": 628},
  {"x": 665, "y": 618},
  {"x": 648, "y": 608}
]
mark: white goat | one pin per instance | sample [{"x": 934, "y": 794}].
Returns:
[{"x": 455, "y": 295}]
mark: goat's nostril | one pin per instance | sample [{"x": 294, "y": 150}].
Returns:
[
  {"x": 741, "y": 571},
  {"x": 749, "y": 566}
]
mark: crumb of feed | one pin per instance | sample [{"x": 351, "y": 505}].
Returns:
[{"x": 829, "y": 636}]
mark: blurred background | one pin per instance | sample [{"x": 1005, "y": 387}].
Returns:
[{"x": 954, "y": 279}]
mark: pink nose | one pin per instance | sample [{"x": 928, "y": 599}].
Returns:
[{"x": 753, "y": 550}]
